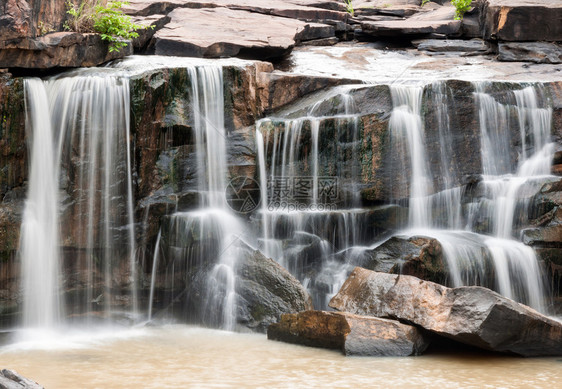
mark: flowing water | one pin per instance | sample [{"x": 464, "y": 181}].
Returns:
[
  {"x": 76, "y": 125},
  {"x": 310, "y": 220},
  {"x": 188, "y": 357}
]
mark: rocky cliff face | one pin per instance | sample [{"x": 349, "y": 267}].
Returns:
[{"x": 161, "y": 127}]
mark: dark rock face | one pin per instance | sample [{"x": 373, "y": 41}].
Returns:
[
  {"x": 266, "y": 291},
  {"x": 438, "y": 21},
  {"x": 416, "y": 256},
  {"x": 352, "y": 334},
  {"x": 9, "y": 379},
  {"x": 471, "y": 315},
  {"x": 60, "y": 49},
  {"x": 545, "y": 232},
  {"x": 455, "y": 45},
  {"x": 537, "y": 52},
  {"x": 523, "y": 20}
]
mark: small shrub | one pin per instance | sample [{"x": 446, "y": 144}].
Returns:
[
  {"x": 424, "y": 2},
  {"x": 349, "y": 7},
  {"x": 105, "y": 18},
  {"x": 461, "y": 7}
]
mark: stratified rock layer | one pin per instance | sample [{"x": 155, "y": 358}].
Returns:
[
  {"x": 472, "y": 315},
  {"x": 523, "y": 20},
  {"x": 353, "y": 334}
]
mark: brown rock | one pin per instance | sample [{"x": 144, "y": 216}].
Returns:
[
  {"x": 537, "y": 52},
  {"x": 222, "y": 32},
  {"x": 473, "y": 315},
  {"x": 523, "y": 20},
  {"x": 309, "y": 10},
  {"x": 15, "y": 19},
  {"x": 438, "y": 21},
  {"x": 352, "y": 334},
  {"x": 60, "y": 49}
]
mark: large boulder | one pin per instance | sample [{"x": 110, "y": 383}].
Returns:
[
  {"x": 352, "y": 334},
  {"x": 417, "y": 256},
  {"x": 523, "y": 20},
  {"x": 223, "y": 32},
  {"x": 266, "y": 291},
  {"x": 472, "y": 315}
]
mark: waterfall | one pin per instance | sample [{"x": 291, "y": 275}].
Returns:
[
  {"x": 39, "y": 248},
  {"x": 406, "y": 131},
  {"x": 79, "y": 127},
  {"x": 495, "y": 260},
  {"x": 212, "y": 233},
  {"x": 302, "y": 227}
]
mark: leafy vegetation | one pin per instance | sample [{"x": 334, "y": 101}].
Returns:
[
  {"x": 424, "y": 2},
  {"x": 103, "y": 17},
  {"x": 461, "y": 7},
  {"x": 349, "y": 6}
]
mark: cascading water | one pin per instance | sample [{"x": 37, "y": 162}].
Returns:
[
  {"x": 303, "y": 225},
  {"x": 212, "y": 233},
  {"x": 79, "y": 127},
  {"x": 315, "y": 231},
  {"x": 496, "y": 260},
  {"x": 39, "y": 250}
]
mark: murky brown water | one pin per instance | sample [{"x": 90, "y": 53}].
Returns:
[{"x": 190, "y": 357}]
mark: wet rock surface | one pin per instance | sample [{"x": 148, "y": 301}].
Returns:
[
  {"x": 354, "y": 335},
  {"x": 537, "y": 52},
  {"x": 10, "y": 379},
  {"x": 471, "y": 315},
  {"x": 266, "y": 291}
]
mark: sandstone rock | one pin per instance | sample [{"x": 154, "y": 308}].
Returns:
[
  {"x": 15, "y": 19},
  {"x": 472, "y": 315},
  {"x": 60, "y": 49},
  {"x": 523, "y": 20},
  {"x": 222, "y": 32},
  {"x": 152, "y": 24},
  {"x": 439, "y": 21},
  {"x": 352, "y": 334},
  {"x": 309, "y": 10},
  {"x": 440, "y": 45},
  {"x": 537, "y": 52},
  {"x": 9, "y": 379}
]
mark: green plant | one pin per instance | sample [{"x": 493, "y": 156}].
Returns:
[
  {"x": 114, "y": 26},
  {"x": 349, "y": 6},
  {"x": 461, "y": 7},
  {"x": 44, "y": 28},
  {"x": 424, "y": 2},
  {"x": 81, "y": 16},
  {"x": 105, "y": 18}
]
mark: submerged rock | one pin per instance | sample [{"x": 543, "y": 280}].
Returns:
[
  {"x": 352, "y": 334},
  {"x": 9, "y": 379},
  {"x": 472, "y": 315}
]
